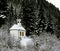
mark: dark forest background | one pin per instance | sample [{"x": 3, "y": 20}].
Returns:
[{"x": 37, "y": 15}]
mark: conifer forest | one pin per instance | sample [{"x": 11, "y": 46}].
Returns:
[{"x": 40, "y": 19}]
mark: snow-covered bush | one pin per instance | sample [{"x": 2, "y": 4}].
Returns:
[{"x": 44, "y": 42}]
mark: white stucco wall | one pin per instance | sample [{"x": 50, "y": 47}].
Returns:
[{"x": 14, "y": 34}]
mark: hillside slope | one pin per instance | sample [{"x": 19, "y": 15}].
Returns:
[{"x": 49, "y": 9}]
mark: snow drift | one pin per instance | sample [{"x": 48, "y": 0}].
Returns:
[{"x": 26, "y": 42}]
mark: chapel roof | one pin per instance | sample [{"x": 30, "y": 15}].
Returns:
[{"x": 17, "y": 27}]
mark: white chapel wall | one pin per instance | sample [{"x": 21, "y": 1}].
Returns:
[{"x": 14, "y": 34}]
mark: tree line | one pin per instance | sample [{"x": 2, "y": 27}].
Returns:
[{"x": 37, "y": 16}]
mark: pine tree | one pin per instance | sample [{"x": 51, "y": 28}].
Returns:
[
  {"x": 49, "y": 24},
  {"x": 3, "y": 5},
  {"x": 11, "y": 10},
  {"x": 28, "y": 16},
  {"x": 15, "y": 16},
  {"x": 36, "y": 20},
  {"x": 58, "y": 28},
  {"x": 41, "y": 17},
  {"x": 11, "y": 14},
  {"x": 21, "y": 13},
  {"x": 3, "y": 8}
]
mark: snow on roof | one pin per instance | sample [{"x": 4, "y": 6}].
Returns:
[{"x": 17, "y": 27}]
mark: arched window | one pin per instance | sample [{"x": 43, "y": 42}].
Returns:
[{"x": 21, "y": 33}]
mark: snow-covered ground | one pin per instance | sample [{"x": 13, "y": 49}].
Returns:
[
  {"x": 44, "y": 42},
  {"x": 48, "y": 42},
  {"x": 26, "y": 41}
]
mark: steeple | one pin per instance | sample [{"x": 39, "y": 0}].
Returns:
[{"x": 19, "y": 22}]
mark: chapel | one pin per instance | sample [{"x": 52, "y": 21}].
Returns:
[{"x": 17, "y": 30}]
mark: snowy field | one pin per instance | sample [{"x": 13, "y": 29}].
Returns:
[{"x": 44, "y": 42}]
